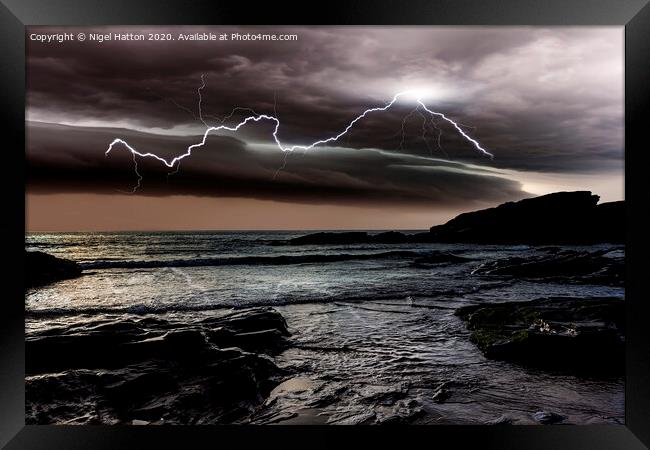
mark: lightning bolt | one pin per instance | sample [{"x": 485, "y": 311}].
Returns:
[
  {"x": 425, "y": 123},
  {"x": 432, "y": 124},
  {"x": 137, "y": 172},
  {"x": 201, "y": 100},
  {"x": 285, "y": 148},
  {"x": 286, "y": 154},
  {"x": 458, "y": 128},
  {"x": 404, "y": 120},
  {"x": 424, "y": 131},
  {"x": 135, "y": 163}
]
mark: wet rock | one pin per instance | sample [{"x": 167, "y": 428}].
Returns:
[
  {"x": 547, "y": 418},
  {"x": 220, "y": 389},
  {"x": 557, "y": 218},
  {"x": 567, "y": 334},
  {"x": 261, "y": 329},
  {"x": 501, "y": 420},
  {"x": 250, "y": 320},
  {"x": 153, "y": 370},
  {"x": 386, "y": 396},
  {"x": 327, "y": 395},
  {"x": 85, "y": 346},
  {"x": 564, "y": 266},
  {"x": 269, "y": 341},
  {"x": 440, "y": 395},
  {"x": 42, "y": 269},
  {"x": 270, "y": 417},
  {"x": 365, "y": 418},
  {"x": 404, "y": 412}
]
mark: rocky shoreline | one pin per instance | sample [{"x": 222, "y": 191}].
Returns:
[
  {"x": 151, "y": 370},
  {"x": 601, "y": 267},
  {"x": 577, "y": 335},
  {"x": 583, "y": 336}
]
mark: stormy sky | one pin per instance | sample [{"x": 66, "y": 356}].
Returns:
[{"x": 546, "y": 102}]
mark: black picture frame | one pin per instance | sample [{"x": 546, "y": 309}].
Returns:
[{"x": 634, "y": 15}]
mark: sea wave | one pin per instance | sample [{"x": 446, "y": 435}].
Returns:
[
  {"x": 249, "y": 260},
  {"x": 410, "y": 298},
  {"x": 55, "y": 244}
]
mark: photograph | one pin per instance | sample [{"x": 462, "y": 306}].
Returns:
[{"x": 325, "y": 225}]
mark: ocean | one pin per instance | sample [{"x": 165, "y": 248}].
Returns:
[{"x": 368, "y": 322}]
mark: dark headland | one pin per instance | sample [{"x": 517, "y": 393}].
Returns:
[{"x": 557, "y": 218}]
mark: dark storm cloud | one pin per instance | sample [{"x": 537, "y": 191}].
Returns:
[
  {"x": 69, "y": 159},
  {"x": 539, "y": 99}
]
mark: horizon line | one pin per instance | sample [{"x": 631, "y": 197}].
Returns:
[{"x": 209, "y": 230}]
